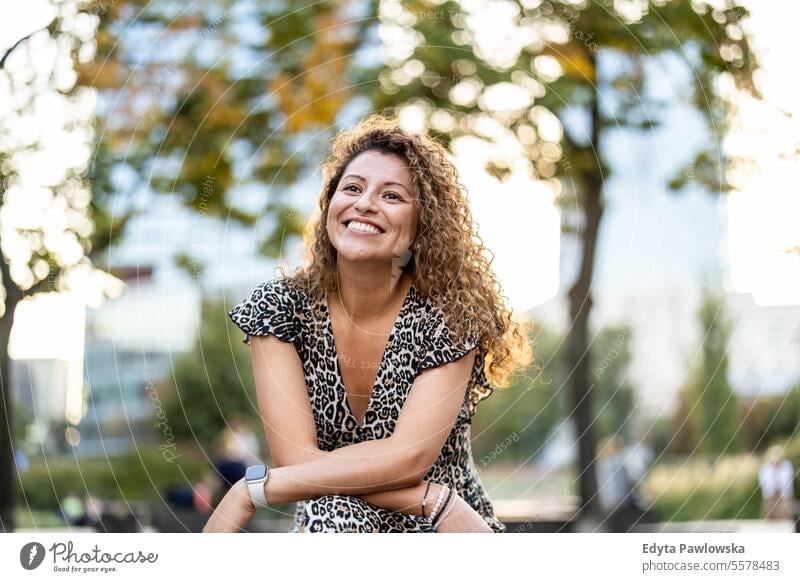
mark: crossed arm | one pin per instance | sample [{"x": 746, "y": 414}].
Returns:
[
  {"x": 394, "y": 463},
  {"x": 387, "y": 472}
]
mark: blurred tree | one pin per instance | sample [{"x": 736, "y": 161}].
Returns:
[
  {"x": 680, "y": 439},
  {"x": 47, "y": 214},
  {"x": 537, "y": 402},
  {"x": 212, "y": 383},
  {"x": 530, "y": 409},
  {"x": 770, "y": 418},
  {"x": 201, "y": 101},
  {"x": 613, "y": 396},
  {"x": 548, "y": 83},
  {"x": 714, "y": 414},
  {"x": 662, "y": 435},
  {"x": 22, "y": 423}
]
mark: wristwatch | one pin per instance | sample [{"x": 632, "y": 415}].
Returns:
[{"x": 255, "y": 477}]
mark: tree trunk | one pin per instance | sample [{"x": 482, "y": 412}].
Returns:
[
  {"x": 8, "y": 472},
  {"x": 578, "y": 352},
  {"x": 580, "y": 305},
  {"x": 8, "y": 465}
]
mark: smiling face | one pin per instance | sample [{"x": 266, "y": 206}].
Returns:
[{"x": 373, "y": 212}]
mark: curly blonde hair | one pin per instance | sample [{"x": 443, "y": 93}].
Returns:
[{"x": 448, "y": 264}]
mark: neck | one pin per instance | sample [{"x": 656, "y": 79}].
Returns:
[{"x": 366, "y": 291}]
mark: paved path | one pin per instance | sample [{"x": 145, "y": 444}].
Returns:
[{"x": 721, "y": 526}]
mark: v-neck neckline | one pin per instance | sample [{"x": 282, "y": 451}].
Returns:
[{"x": 341, "y": 388}]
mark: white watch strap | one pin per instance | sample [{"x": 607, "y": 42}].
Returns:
[{"x": 256, "y": 489}]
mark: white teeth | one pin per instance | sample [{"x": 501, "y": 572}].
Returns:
[{"x": 363, "y": 227}]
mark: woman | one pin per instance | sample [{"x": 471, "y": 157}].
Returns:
[{"x": 369, "y": 360}]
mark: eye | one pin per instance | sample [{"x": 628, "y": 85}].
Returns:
[
  {"x": 395, "y": 194},
  {"x": 347, "y": 188}
]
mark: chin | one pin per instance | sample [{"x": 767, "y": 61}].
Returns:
[{"x": 357, "y": 256}]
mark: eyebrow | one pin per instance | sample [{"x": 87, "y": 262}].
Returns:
[{"x": 363, "y": 179}]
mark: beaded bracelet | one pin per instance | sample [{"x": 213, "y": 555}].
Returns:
[
  {"x": 435, "y": 522},
  {"x": 435, "y": 509},
  {"x": 439, "y": 499},
  {"x": 425, "y": 497},
  {"x": 445, "y": 511}
]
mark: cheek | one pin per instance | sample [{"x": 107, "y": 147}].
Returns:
[
  {"x": 339, "y": 203},
  {"x": 335, "y": 209},
  {"x": 407, "y": 222},
  {"x": 331, "y": 223}
]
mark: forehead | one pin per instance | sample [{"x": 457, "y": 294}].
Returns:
[{"x": 380, "y": 166}]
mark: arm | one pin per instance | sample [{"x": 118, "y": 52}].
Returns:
[
  {"x": 288, "y": 421},
  {"x": 290, "y": 429},
  {"x": 397, "y": 462}
]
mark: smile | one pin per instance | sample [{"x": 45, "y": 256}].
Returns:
[{"x": 362, "y": 227}]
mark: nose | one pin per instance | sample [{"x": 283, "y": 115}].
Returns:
[{"x": 365, "y": 201}]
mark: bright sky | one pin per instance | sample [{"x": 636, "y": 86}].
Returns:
[{"x": 764, "y": 216}]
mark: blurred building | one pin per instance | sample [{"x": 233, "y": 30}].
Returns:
[
  {"x": 125, "y": 348},
  {"x": 765, "y": 346},
  {"x": 130, "y": 344},
  {"x": 764, "y": 349},
  {"x": 119, "y": 413},
  {"x": 39, "y": 390}
]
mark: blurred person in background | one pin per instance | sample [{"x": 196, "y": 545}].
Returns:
[
  {"x": 229, "y": 461},
  {"x": 73, "y": 510},
  {"x": 238, "y": 447},
  {"x": 240, "y": 442},
  {"x": 616, "y": 487},
  {"x": 776, "y": 478}
]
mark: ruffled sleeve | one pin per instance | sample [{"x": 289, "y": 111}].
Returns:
[
  {"x": 437, "y": 346},
  {"x": 481, "y": 388},
  {"x": 271, "y": 309}
]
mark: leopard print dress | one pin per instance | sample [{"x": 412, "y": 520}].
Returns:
[{"x": 420, "y": 339}]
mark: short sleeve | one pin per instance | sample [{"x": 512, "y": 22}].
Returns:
[
  {"x": 437, "y": 347},
  {"x": 481, "y": 388},
  {"x": 271, "y": 309}
]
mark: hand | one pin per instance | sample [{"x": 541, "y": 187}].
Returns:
[
  {"x": 461, "y": 518},
  {"x": 233, "y": 511}
]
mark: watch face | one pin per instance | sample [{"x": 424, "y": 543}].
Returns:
[{"x": 255, "y": 473}]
